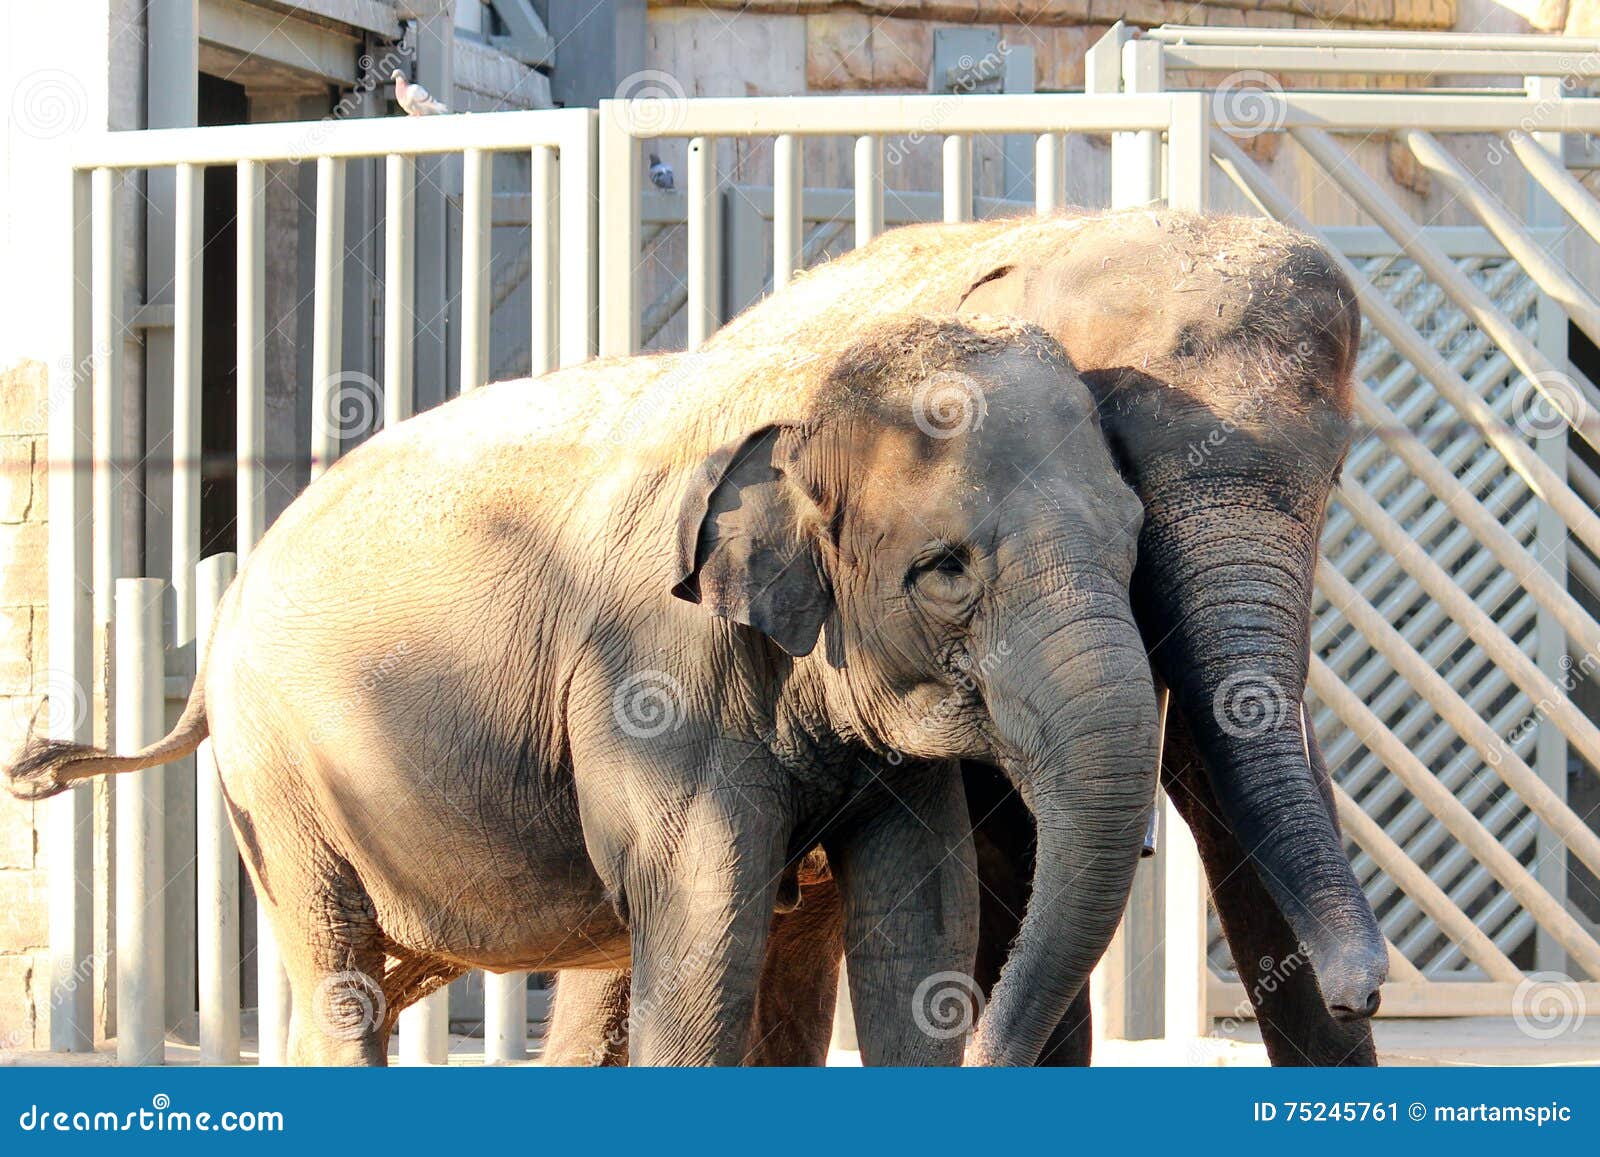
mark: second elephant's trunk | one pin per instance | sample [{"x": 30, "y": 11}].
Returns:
[{"x": 1233, "y": 649}]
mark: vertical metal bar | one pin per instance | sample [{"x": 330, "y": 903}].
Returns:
[
  {"x": 477, "y": 219},
  {"x": 1049, "y": 173},
  {"x": 187, "y": 293},
  {"x": 505, "y": 1017},
  {"x": 1189, "y": 152},
  {"x": 1551, "y": 539},
  {"x": 582, "y": 276},
  {"x": 1136, "y": 157},
  {"x": 425, "y": 1030},
  {"x": 705, "y": 268},
  {"x": 957, "y": 179},
  {"x": 141, "y": 927},
  {"x": 869, "y": 189},
  {"x": 250, "y": 331},
  {"x": 544, "y": 251},
  {"x": 788, "y": 209},
  {"x": 327, "y": 315},
  {"x": 1185, "y": 900},
  {"x": 68, "y": 817},
  {"x": 217, "y": 861},
  {"x": 108, "y": 371},
  {"x": 399, "y": 273},
  {"x": 250, "y": 523},
  {"x": 620, "y": 174}
]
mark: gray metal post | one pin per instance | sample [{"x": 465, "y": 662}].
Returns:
[
  {"x": 1550, "y": 537},
  {"x": 217, "y": 906},
  {"x": 69, "y": 817},
  {"x": 141, "y": 882},
  {"x": 436, "y": 71}
]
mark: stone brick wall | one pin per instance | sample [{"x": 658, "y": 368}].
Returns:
[{"x": 23, "y": 664}]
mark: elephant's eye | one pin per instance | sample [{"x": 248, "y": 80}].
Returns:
[{"x": 942, "y": 572}]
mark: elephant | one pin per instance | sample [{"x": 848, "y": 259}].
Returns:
[
  {"x": 1220, "y": 352},
  {"x": 573, "y": 673}
]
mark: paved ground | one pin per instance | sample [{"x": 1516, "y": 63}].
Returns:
[{"x": 1476, "y": 1041}]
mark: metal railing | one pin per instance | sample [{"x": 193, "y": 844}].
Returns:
[{"x": 88, "y": 555}]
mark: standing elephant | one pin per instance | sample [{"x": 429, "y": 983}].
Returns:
[
  {"x": 1219, "y": 351},
  {"x": 650, "y": 630}
]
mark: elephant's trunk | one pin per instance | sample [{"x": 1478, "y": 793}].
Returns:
[
  {"x": 1233, "y": 648},
  {"x": 1075, "y": 709}
]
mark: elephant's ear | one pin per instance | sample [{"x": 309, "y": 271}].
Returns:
[
  {"x": 748, "y": 542},
  {"x": 996, "y": 292}
]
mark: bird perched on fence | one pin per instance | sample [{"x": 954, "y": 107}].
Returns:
[
  {"x": 416, "y": 100},
  {"x": 660, "y": 173}
]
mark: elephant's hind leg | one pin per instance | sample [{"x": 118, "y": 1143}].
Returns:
[
  {"x": 800, "y": 977},
  {"x": 333, "y": 951},
  {"x": 588, "y": 1019}
]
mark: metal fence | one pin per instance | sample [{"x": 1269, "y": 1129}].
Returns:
[
  {"x": 90, "y": 451},
  {"x": 1453, "y": 611}
]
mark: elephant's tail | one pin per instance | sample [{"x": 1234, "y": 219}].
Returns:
[{"x": 47, "y": 767}]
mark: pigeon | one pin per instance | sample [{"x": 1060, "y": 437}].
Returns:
[
  {"x": 416, "y": 100},
  {"x": 660, "y": 173}
]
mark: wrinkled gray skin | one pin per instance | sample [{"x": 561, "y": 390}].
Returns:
[
  {"x": 1219, "y": 351},
  {"x": 462, "y": 721}
]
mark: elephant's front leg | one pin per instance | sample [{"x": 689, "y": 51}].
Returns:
[
  {"x": 903, "y": 865},
  {"x": 1277, "y": 974},
  {"x": 699, "y": 915}
]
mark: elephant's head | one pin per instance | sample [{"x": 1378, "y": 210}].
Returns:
[
  {"x": 947, "y": 522},
  {"x": 1220, "y": 352}
]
